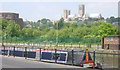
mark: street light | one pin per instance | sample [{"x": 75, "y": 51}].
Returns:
[{"x": 5, "y": 35}]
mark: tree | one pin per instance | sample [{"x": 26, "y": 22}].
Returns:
[
  {"x": 102, "y": 18},
  {"x": 38, "y": 21},
  {"x": 59, "y": 24},
  {"x": 69, "y": 19},
  {"x": 13, "y": 29},
  {"x": 4, "y": 23},
  {"x": 76, "y": 19},
  {"x": 109, "y": 20},
  {"x": 106, "y": 29},
  {"x": 74, "y": 25},
  {"x": 44, "y": 20}
]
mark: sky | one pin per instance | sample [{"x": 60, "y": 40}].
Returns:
[{"x": 35, "y": 10}]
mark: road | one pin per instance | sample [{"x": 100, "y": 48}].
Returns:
[{"x": 18, "y": 62}]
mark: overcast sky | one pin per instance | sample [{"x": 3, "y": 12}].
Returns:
[{"x": 53, "y": 10}]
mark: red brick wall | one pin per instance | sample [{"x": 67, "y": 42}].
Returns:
[{"x": 113, "y": 41}]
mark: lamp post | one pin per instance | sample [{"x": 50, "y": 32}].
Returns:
[
  {"x": 5, "y": 35},
  {"x": 57, "y": 34}
]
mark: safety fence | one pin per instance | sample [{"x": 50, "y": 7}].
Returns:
[
  {"x": 73, "y": 40},
  {"x": 107, "y": 59}
]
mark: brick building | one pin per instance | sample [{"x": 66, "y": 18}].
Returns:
[
  {"x": 14, "y": 17},
  {"x": 111, "y": 42}
]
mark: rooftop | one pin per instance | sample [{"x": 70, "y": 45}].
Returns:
[{"x": 8, "y": 13}]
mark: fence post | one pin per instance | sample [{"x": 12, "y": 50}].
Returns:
[
  {"x": 79, "y": 44},
  {"x": 71, "y": 44},
  {"x": 14, "y": 51},
  {"x": 25, "y": 53},
  {"x": 57, "y": 45},
  {"x": 72, "y": 57},
  {"x": 94, "y": 59},
  {"x": 8, "y": 51},
  {"x": 64, "y": 44},
  {"x": 97, "y": 46},
  {"x": 55, "y": 56},
  {"x": 90, "y": 45},
  {"x": 40, "y": 53},
  {"x": 4, "y": 50},
  {"x": 50, "y": 44}
]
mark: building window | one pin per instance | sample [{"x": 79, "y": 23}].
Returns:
[
  {"x": 111, "y": 39},
  {"x": 9, "y": 17},
  {"x": 3, "y": 15},
  {"x": 115, "y": 39},
  {"x": 107, "y": 38},
  {"x": 15, "y": 16},
  {"x": 0, "y": 15}
]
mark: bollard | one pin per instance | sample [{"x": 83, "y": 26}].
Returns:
[
  {"x": 94, "y": 59},
  {"x": 72, "y": 57},
  {"x": 55, "y": 56},
  {"x": 40, "y": 53}
]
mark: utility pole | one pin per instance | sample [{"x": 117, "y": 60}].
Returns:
[{"x": 57, "y": 34}]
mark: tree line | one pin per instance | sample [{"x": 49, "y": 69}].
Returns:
[{"x": 64, "y": 30}]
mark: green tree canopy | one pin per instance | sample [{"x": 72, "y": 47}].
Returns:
[{"x": 106, "y": 29}]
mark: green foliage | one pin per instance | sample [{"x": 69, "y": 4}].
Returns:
[
  {"x": 112, "y": 19},
  {"x": 69, "y": 19},
  {"x": 13, "y": 29},
  {"x": 44, "y": 20},
  {"x": 75, "y": 40},
  {"x": 66, "y": 32},
  {"x": 43, "y": 23},
  {"x": 4, "y": 23},
  {"x": 106, "y": 29},
  {"x": 76, "y": 19},
  {"x": 59, "y": 24}
]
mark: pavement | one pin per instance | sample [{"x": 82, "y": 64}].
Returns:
[
  {"x": 47, "y": 45},
  {"x": 20, "y": 62}
]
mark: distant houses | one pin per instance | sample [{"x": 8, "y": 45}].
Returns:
[{"x": 28, "y": 25}]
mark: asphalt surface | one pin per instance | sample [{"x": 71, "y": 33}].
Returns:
[{"x": 18, "y": 62}]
